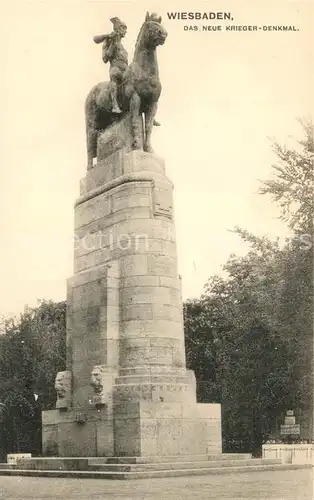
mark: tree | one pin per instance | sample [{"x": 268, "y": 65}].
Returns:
[
  {"x": 200, "y": 349},
  {"x": 32, "y": 351},
  {"x": 292, "y": 187},
  {"x": 252, "y": 328}
]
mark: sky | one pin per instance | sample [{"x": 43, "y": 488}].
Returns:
[{"x": 225, "y": 96}]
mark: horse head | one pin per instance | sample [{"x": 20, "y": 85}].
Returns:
[{"x": 152, "y": 32}]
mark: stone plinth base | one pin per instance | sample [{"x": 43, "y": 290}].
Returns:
[
  {"x": 138, "y": 429},
  {"x": 77, "y": 433},
  {"x": 160, "y": 429}
]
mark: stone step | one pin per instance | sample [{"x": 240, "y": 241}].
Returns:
[
  {"x": 150, "y": 473},
  {"x": 169, "y": 459},
  {"x": 86, "y": 463},
  {"x": 53, "y": 463},
  {"x": 251, "y": 462}
]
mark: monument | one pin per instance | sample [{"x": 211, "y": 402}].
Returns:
[
  {"x": 126, "y": 404},
  {"x": 290, "y": 428},
  {"x": 126, "y": 391}
]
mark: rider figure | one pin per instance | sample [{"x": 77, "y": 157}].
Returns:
[{"x": 114, "y": 52}]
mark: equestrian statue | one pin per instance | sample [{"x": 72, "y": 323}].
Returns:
[{"x": 133, "y": 88}]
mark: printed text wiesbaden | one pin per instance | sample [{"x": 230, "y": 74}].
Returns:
[{"x": 200, "y": 15}]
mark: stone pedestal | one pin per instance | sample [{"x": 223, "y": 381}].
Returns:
[{"x": 124, "y": 313}]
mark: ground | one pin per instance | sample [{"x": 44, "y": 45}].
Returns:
[{"x": 278, "y": 485}]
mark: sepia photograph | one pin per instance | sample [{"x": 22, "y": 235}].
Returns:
[{"x": 156, "y": 257}]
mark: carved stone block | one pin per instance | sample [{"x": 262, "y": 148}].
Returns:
[
  {"x": 101, "y": 382},
  {"x": 162, "y": 199},
  {"x": 63, "y": 387}
]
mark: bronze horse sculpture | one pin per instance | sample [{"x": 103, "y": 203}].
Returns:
[{"x": 138, "y": 92}]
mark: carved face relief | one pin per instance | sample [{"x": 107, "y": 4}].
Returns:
[
  {"x": 97, "y": 379},
  {"x": 62, "y": 384}
]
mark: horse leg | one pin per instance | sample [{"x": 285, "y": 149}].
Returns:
[
  {"x": 91, "y": 148},
  {"x": 149, "y": 122},
  {"x": 91, "y": 131},
  {"x": 135, "y": 104}
]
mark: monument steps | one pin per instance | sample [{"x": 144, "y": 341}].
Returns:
[
  {"x": 182, "y": 465},
  {"x": 92, "y": 467},
  {"x": 168, "y": 458},
  {"x": 98, "y": 463},
  {"x": 150, "y": 474}
]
